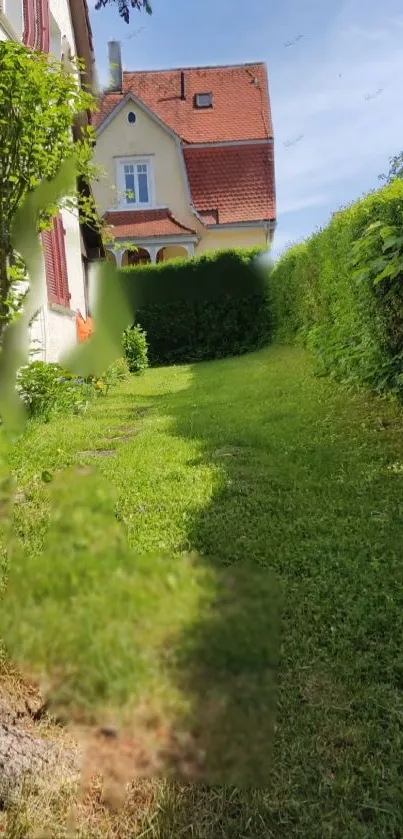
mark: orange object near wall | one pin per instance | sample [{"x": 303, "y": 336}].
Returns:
[{"x": 84, "y": 328}]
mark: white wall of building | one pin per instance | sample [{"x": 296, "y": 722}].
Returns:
[
  {"x": 12, "y": 10},
  {"x": 60, "y": 325},
  {"x": 54, "y": 331}
]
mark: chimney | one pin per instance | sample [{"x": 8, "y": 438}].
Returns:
[
  {"x": 115, "y": 66},
  {"x": 183, "y": 91}
]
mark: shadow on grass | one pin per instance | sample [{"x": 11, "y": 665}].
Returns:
[
  {"x": 226, "y": 668},
  {"x": 304, "y": 493},
  {"x": 226, "y": 662}
]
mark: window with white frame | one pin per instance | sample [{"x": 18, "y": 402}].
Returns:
[{"x": 134, "y": 182}]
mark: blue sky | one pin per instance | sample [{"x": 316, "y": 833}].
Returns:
[{"x": 335, "y": 92}]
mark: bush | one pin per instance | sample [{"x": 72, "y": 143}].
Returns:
[
  {"x": 136, "y": 350},
  {"x": 47, "y": 388},
  {"x": 341, "y": 293},
  {"x": 212, "y": 306},
  {"x": 117, "y": 372}
]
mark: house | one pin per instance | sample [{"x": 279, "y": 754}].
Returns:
[
  {"x": 189, "y": 159},
  {"x": 60, "y": 28}
]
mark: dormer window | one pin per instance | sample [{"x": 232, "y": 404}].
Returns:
[{"x": 204, "y": 100}]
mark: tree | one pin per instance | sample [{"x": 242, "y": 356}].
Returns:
[
  {"x": 395, "y": 169},
  {"x": 38, "y": 103},
  {"x": 124, "y": 6}
]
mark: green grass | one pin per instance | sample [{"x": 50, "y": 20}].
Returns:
[{"x": 245, "y": 460}]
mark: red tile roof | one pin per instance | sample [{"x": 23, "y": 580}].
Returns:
[
  {"x": 241, "y": 108},
  {"x": 229, "y": 184},
  {"x": 232, "y": 184},
  {"x": 145, "y": 224}
]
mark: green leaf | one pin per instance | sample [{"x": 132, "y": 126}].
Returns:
[{"x": 392, "y": 270}]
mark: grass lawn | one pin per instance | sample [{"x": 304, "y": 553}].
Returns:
[{"x": 248, "y": 487}]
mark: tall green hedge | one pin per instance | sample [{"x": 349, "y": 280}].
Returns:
[
  {"x": 340, "y": 293},
  {"x": 208, "y": 307}
]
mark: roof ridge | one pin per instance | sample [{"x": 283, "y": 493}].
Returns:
[{"x": 240, "y": 66}]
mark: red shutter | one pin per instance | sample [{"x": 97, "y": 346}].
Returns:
[
  {"x": 55, "y": 264},
  {"x": 63, "y": 275},
  {"x": 36, "y": 24},
  {"x": 43, "y": 26},
  {"x": 29, "y": 34},
  {"x": 50, "y": 266}
]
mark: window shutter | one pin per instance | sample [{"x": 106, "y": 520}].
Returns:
[
  {"x": 43, "y": 26},
  {"x": 50, "y": 266},
  {"x": 56, "y": 264},
  {"x": 63, "y": 275},
  {"x": 29, "y": 35}
]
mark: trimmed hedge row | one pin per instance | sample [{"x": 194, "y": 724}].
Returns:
[
  {"x": 340, "y": 293},
  {"x": 209, "y": 307}
]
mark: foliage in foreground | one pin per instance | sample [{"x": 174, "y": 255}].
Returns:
[
  {"x": 341, "y": 293},
  {"x": 204, "y": 308},
  {"x": 38, "y": 103}
]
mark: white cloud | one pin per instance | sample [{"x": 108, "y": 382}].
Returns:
[{"x": 320, "y": 93}]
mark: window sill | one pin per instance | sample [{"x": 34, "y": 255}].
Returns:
[
  {"x": 126, "y": 207},
  {"x": 136, "y": 207},
  {"x": 62, "y": 310}
]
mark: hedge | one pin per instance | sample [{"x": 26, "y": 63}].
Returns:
[
  {"x": 208, "y": 307},
  {"x": 340, "y": 293}
]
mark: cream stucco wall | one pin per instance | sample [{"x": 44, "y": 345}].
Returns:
[
  {"x": 248, "y": 237},
  {"x": 146, "y": 138},
  {"x": 143, "y": 138},
  {"x": 173, "y": 252}
]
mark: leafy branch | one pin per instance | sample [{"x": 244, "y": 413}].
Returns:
[
  {"x": 39, "y": 101},
  {"x": 124, "y": 7},
  {"x": 378, "y": 253}
]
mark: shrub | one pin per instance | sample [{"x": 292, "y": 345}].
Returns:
[
  {"x": 117, "y": 372},
  {"x": 47, "y": 388},
  {"x": 341, "y": 293},
  {"x": 192, "y": 309},
  {"x": 136, "y": 350}
]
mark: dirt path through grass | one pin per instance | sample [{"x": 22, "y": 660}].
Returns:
[{"x": 252, "y": 459}]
